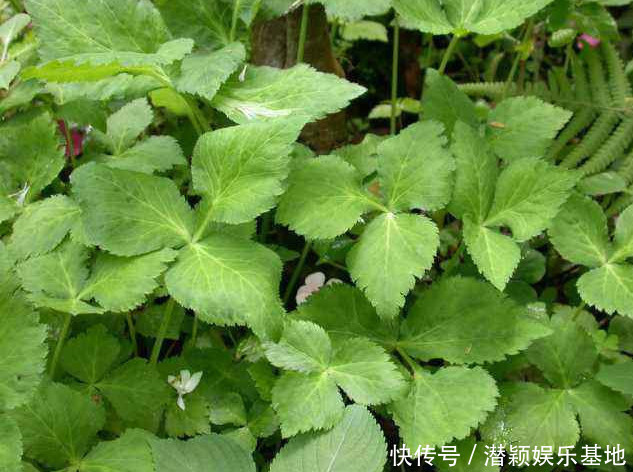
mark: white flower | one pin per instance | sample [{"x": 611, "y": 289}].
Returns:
[
  {"x": 313, "y": 283},
  {"x": 242, "y": 77},
  {"x": 20, "y": 197},
  {"x": 184, "y": 383}
]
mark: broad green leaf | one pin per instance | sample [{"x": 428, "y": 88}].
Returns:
[
  {"x": 524, "y": 127},
  {"x": 190, "y": 422},
  {"x": 463, "y": 16},
  {"x": 30, "y": 154},
  {"x": 304, "y": 347},
  {"x": 445, "y": 102},
  {"x": 624, "y": 236},
  {"x": 306, "y": 402},
  {"x": 479, "y": 462},
  {"x": 129, "y": 453},
  {"x": 210, "y": 453},
  {"x": 266, "y": 93},
  {"x": 529, "y": 195},
  {"x": 605, "y": 183},
  {"x": 324, "y": 199},
  {"x": 127, "y": 124},
  {"x": 228, "y": 408},
  {"x": 565, "y": 357},
  {"x": 241, "y": 169},
  {"x": 622, "y": 327},
  {"x": 8, "y": 208},
  {"x": 541, "y": 417},
  {"x": 59, "y": 425},
  {"x": 155, "y": 154},
  {"x": 617, "y": 376},
  {"x": 10, "y": 29},
  {"x": 579, "y": 232},
  {"x": 609, "y": 288},
  {"x": 467, "y": 321},
  {"x": 475, "y": 176},
  {"x": 452, "y": 401},
  {"x": 121, "y": 284},
  {"x": 137, "y": 393},
  {"x": 496, "y": 255},
  {"x": 8, "y": 72},
  {"x": 204, "y": 73},
  {"x": 356, "y": 444},
  {"x": 228, "y": 281},
  {"x": 363, "y": 156},
  {"x": 11, "y": 445},
  {"x": 365, "y": 30},
  {"x": 42, "y": 226},
  {"x": 90, "y": 355},
  {"x": 415, "y": 168},
  {"x": 351, "y": 10},
  {"x": 392, "y": 252},
  {"x": 130, "y": 213}
]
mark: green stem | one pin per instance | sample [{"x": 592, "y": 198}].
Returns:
[
  {"x": 198, "y": 120},
  {"x": 405, "y": 357},
  {"x": 71, "y": 145},
  {"x": 297, "y": 272},
  {"x": 394, "y": 74},
  {"x": 162, "y": 331},
  {"x": 266, "y": 227},
  {"x": 303, "y": 33},
  {"x": 194, "y": 331},
  {"x": 132, "y": 329},
  {"x": 60, "y": 344},
  {"x": 517, "y": 60},
  {"x": 448, "y": 54},
  {"x": 236, "y": 15}
]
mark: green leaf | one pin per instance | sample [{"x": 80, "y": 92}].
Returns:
[
  {"x": 617, "y": 376},
  {"x": 467, "y": 321},
  {"x": 241, "y": 169},
  {"x": 524, "y": 127},
  {"x": 351, "y": 10},
  {"x": 365, "y": 30},
  {"x": 204, "y": 73},
  {"x": 605, "y": 183},
  {"x": 496, "y": 255},
  {"x": 150, "y": 319},
  {"x": 155, "y": 154},
  {"x": 624, "y": 236},
  {"x": 306, "y": 401},
  {"x": 609, "y": 288},
  {"x": 59, "y": 425},
  {"x": 356, "y": 444},
  {"x": 453, "y": 400},
  {"x": 120, "y": 284},
  {"x": 210, "y": 453},
  {"x": 127, "y": 124},
  {"x": 445, "y": 102},
  {"x": 43, "y": 225},
  {"x": 303, "y": 347},
  {"x": 462, "y": 16},
  {"x": 579, "y": 232},
  {"x": 363, "y": 156},
  {"x": 228, "y": 408},
  {"x": 8, "y": 208},
  {"x": 301, "y": 91},
  {"x": 129, "y": 453},
  {"x": 11, "y": 29},
  {"x": 90, "y": 355},
  {"x": 11, "y": 445},
  {"x": 529, "y": 195},
  {"x": 566, "y": 356},
  {"x": 393, "y": 251},
  {"x": 192, "y": 421},
  {"x": 541, "y": 417},
  {"x": 129, "y": 213},
  {"x": 480, "y": 462},
  {"x": 228, "y": 281},
  {"x": 623, "y": 328},
  {"x": 8, "y": 72},
  {"x": 137, "y": 393},
  {"x": 415, "y": 169},
  {"x": 476, "y": 174},
  {"x": 324, "y": 199}
]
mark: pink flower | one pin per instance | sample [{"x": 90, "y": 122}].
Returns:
[
  {"x": 313, "y": 283},
  {"x": 590, "y": 40},
  {"x": 76, "y": 137}
]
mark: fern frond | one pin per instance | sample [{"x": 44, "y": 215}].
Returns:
[{"x": 611, "y": 150}]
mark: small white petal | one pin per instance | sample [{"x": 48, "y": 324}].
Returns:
[
  {"x": 193, "y": 382},
  {"x": 334, "y": 281},
  {"x": 315, "y": 280},
  {"x": 181, "y": 402},
  {"x": 185, "y": 375}
]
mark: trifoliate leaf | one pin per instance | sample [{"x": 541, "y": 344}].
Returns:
[
  {"x": 137, "y": 393},
  {"x": 266, "y": 93},
  {"x": 623, "y": 236},
  {"x": 524, "y": 127},
  {"x": 344, "y": 312},
  {"x": 59, "y": 425},
  {"x": 541, "y": 417},
  {"x": 304, "y": 347},
  {"x": 337, "y": 450},
  {"x": 202, "y": 74},
  {"x": 393, "y": 251},
  {"x": 126, "y": 125},
  {"x": 210, "y": 453},
  {"x": 496, "y": 255},
  {"x": 462, "y": 16},
  {"x": 155, "y": 154},
  {"x": 43, "y": 225},
  {"x": 129, "y": 213},
  {"x": 350, "y": 10},
  {"x": 609, "y": 288},
  {"x": 445, "y": 102},
  {"x": 90, "y": 355},
  {"x": 241, "y": 169},
  {"x": 617, "y": 376},
  {"x": 467, "y": 321},
  {"x": 129, "y": 453},
  {"x": 190, "y": 422},
  {"x": 415, "y": 169},
  {"x": 529, "y": 195},
  {"x": 11, "y": 445},
  {"x": 306, "y": 402},
  {"x": 566, "y": 356},
  {"x": 228, "y": 281},
  {"x": 324, "y": 199},
  {"x": 121, "y": 284},
  {"x": 444, "y": 405},
  {"x": 579, "y": 232}
]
